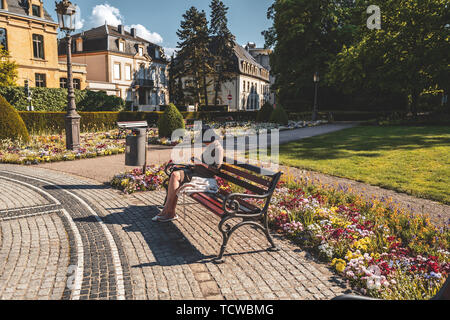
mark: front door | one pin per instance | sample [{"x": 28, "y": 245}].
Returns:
[{"x": 142, "y": 97}]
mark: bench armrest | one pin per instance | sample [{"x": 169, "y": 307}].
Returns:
[{"x": 231, "y": 204}]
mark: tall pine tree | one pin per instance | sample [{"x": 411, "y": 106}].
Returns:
[
  {"x": 222, "y": 46},
  {"x": 194, "y": 57}
]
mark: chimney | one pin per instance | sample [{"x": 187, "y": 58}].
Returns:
[
  {"x": 121, "y": 29},
  {"x": 133, "y": 32}
]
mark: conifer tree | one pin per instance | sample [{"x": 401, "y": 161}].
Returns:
[
  {"x": 194, "y": 57},
  {"x": 223, "y": 45}
]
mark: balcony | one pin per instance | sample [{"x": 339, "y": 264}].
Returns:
[{"x": 144, "y": 83}]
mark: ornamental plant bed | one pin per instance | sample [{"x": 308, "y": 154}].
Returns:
[
  {"x": 383, "y": 251},
  {"x": 51, "y": 148}
]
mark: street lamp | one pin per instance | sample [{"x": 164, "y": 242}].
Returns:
[
  {"x": 66, "y": 16},
  {"x": 316, "y": 106}
]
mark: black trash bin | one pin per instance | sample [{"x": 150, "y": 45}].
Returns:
[{"x": 136, "y": 148}]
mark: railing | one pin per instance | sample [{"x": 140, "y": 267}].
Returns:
[{"x": 144, "y": 83}]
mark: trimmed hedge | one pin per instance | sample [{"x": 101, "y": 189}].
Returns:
[
  {"x": 55, "y": 99},
  {"x": 265, "y": 112},
  {"x": 53, "y": 122},
  {"x": 280, "y": 116},
  {"x": 170, "y": 121},
  {"x": 11, "y": 124}
]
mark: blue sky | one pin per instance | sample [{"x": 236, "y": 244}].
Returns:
[{"x": 159, "y": 20}]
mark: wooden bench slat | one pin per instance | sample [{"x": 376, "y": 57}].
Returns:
[
  {"x": 242, "y": 183},
  {"x": 200, "y": 197},
  {"x": 246, "y": 175}
]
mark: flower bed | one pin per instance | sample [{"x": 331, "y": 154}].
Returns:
[
  {"x": 51, "y": 148},
  {"x": 382, "y": 250},
  {"x": 236, "y": 129},
  {"x": 136, "y": 181}
]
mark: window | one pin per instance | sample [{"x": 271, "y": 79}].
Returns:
[
  {"x": 244, "y": 86},
  {"x": 121, "y": 46},
  {"x": 38, "y": 46},
  {"x": 157, "y": 53},
  {"x": 141, "y": 51},
  {"x": 3, "y": 40},
  {"x": 40, "y": 80},
  {"x": 36, "y": 10},
  {"x": 76, "y": 83},
  {"x": 63, "y": 83},
  {"x": 117, "y": 75},
  {"x": 127, "y": 72}
]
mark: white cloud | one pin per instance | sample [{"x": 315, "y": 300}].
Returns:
[
  {"x": 146, "y": 34},
  {"x": 105, "y": 13},
  {"x": 79, "y": 22},
  {"x": 170, "y": 51}
]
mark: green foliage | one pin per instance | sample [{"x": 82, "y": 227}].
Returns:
[
  {"x": 409, "y": 54},
  {"x": 170, "y": 121},
  {"x": 223, "y": 46},
  {"x": 100, "y": 101},
  {"x": 280, "y": 116},
  {"x": 194, "y": 57},
  {"x": 11, "y": 124},
  {"x": 55, "y": 99},
  {"x": 8, "y": 69},
  {"x": 265, "y": 112}
]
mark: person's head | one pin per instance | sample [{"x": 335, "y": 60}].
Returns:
[{"x": 208, "y": 135}]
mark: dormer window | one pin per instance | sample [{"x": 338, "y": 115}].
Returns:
[
  {"x": 79, "y": 44},
  {"x": 141, "y": 51},
  {"x": 157, "y": 53},
  {"x": 121, "y": 46},
  {"x": 36, "y": 10}
]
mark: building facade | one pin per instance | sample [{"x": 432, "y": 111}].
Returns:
[
  {"x": 262, "y": 56},
  {"x": 122, "y": 64},
  {"x": 29, "y": 34},
  {"x": 249, "y": 89}
]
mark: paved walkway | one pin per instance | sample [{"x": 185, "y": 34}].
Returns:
[
  {"x": 104, "y": 168},
  {"x": 66, "y": 237}
]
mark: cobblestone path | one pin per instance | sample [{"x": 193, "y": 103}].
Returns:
[{"x": 63, "y": 237}]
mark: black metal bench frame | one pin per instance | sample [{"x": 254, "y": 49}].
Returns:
[{"x": 230, "y": 206}]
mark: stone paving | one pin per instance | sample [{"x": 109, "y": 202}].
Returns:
[{"x": 65, "y": 237}]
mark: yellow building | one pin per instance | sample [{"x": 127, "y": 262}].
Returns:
[{"x": 29, "y": 33}]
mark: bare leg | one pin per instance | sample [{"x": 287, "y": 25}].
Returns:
[{"x": 174, "y": 184}]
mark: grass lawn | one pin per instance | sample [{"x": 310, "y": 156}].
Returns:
[{"x": 414, "y": 160}]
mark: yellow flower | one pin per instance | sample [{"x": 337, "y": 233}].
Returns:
[{"x": 339, "y": 264}]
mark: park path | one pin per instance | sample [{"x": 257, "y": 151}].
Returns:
[
  {"x": 103, "y": 169},
  {"x": 67, "y": 237}
]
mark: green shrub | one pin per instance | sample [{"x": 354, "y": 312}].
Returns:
[
  {"x": 265, "y": 113},
  {"x": 170, "y": 121},
  {"x": 100, "y": 101},
  {"x": 280, "y": 116},
  {"x": 11, "y": 124}
]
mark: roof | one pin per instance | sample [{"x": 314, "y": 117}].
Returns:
[
  {"x": 243, "y": 54},
  {"x": 21, "y": 7},
  {"x": 105, "y": 38}
]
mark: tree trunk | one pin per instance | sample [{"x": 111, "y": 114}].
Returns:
[
  {"x": 414, "y": 102},
  {"x": 205, "y": 87}
]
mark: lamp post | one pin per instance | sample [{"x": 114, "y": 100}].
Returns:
[
  {"x": 66, "y": 17},
  {"x": 316, "y": 106}
]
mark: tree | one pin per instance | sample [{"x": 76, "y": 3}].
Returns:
[
  {"x": 194, "y": 57},
  {"x": 409, "y": 54},
  {"x": 306, "y": 35},
  {"x": 8, "y": 69},
  {"x": 223, "y": 46}
]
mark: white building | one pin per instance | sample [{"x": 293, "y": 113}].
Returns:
[
  {"x": 122, "y": 64},
  {"x": 262, "y": 56},
  {"x": 249, "y": 90}
]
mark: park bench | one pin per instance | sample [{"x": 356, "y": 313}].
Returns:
[
  {"x": 128, "y": 125},
  {"x": 260, "y": 185}
]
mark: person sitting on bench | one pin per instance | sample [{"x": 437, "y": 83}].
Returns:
[{"x": 214, "y": 151}]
